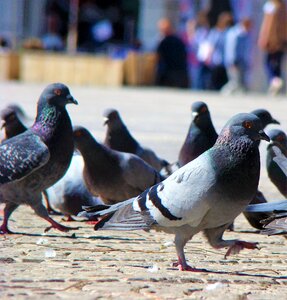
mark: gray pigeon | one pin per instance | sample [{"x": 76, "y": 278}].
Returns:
[
  {"x": 110, "y": 174},
  {"x": 276, "y": 175},
  {"x": 119, "y": 138},
  {"x": 204, "y": 195},
  {"x": 201, "y": 134},
  {"x": 34, "y": 160},
  {"x": 280, "y": 159},
  {"x": 275, "y": 221},
  {"x": 70, "y": 193}
]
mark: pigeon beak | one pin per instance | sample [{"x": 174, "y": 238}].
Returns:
[
  {"x": 71, "y": 99},
  {"x": 263, "y": 136},
  {"x": 194, "y": 115},
  {"x": 3, "y": 124},
  {"x": 106, "y": 120},
  {"x": 275, "y": 122}
]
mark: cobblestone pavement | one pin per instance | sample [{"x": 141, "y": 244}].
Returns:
[{"x": 85, "y": 264}]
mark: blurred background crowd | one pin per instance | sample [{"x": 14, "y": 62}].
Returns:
[{"x": 230, "y": 46}]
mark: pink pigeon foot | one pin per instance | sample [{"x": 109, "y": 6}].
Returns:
[
  {"x": 240, "y": 245},
  {"x": 58, "y": 226}
]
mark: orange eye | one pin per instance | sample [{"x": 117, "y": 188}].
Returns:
[
  {"x": 280, "y": 138},
  {"x": 204, "y": 109},
  {"x": 78, "y": 133},
  {"x": 57, "y": 92},
  {"x": 247, "y": 124}
]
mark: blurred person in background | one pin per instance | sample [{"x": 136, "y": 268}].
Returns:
[
  {"x": 196, "y": 32},
  {"x": 172, "y": 68},
  {"x": 211, "y": 54},
  {"x": 237, "y": 50},
  {"x": 272, "y": 40}
]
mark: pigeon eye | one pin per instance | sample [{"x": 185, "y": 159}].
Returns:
[
  {"x": 57, "y": 92},
  {"x": 12, "y": 118},
  {"x": 247, "y": 124},
  {"x": 280, "y": 138},
  {"x": 204, "y": 109},
  {"x": 78, "y": 133}
]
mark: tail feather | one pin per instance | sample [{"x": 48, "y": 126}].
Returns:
[
  {"x": 275, "y": 224},
  {"x": 125, "y": 218},
  {"x": 267, "y": 207}
]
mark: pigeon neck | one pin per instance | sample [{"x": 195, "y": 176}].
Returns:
[{"x": 47, "y": 121}]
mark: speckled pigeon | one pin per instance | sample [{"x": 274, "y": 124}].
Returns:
[
  {"x": 12, "y": 124},
  {"x": 204, "y": 195},
  {"x": 110, "y": 174},
  {"x": 275, "y": 221},
  {"x": 201, "y": 134},
  {"x": 34, "y": 160},
  {"x": 276, "y": 175},
  {"x": 70, "y": 193},
  {"x": 119, "y": 138}
]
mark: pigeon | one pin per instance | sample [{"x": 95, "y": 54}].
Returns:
[
  {"x": 276, "y": 175},
  {"x": 204, "y": 195},
  {"x": 255, "y": 219},
  {"x": 119, "y": 138},
  {"x": 11, "y": 122},
  {"x": 110, "y": 174},
  {"x": 37, "y": 158},
  {"x": 275, "y": 221},
  {"x": 280, "y": 159},
  {"x": 70, "y": 193},
  {"x": 201, "y": 134}
]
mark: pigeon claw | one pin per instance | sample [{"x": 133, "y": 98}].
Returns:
[
  {"x": 185, "y": 267},
  {"x": 59, "y": 226},
  {"x": 240, "y": 245}
]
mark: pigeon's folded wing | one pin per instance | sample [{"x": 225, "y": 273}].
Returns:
[
  {"x": 280, "y": 159},
  {"x": 21, "y": 155}
]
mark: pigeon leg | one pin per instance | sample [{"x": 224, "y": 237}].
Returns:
[
  {"x": 214, "y": 236},
  {"x": 180, "y": 242},
  {"x": 41, "y": 211},
  {"x": 9, "y": 208},
  {"x": 50, "y": 210}
]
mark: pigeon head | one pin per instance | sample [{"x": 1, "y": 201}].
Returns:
[
  {"x": 278, "y": 137},
  {"x": 56, "y": 94},
  {"x": 200, "y": 113},
  {"x": 112, "y": 118},
  {"x": 82, "y": 137},
  {"x": 8, "y": 117},
  {"x": 243, "y": 125},
  {"x": 265, "y": 117}
]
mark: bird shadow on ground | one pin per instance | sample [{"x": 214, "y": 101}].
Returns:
[{"x": 74, "y": 236}]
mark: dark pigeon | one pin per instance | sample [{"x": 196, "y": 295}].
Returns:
[
  {"x": 255, "y": 219},
  {"x": 204, "y": 195},
  {"x": 119, "y": 138},
  {"x": 276, "y": 175},
  {"x": 70, "y": 193},
  {"x": 110, "y": 174},
  {"x": 11, "y": 122},
  {"x": 275, "y": 221},
  {"x": 201, "y": 134},
  {"x": 36, "y": 159}
]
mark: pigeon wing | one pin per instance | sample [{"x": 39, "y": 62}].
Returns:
[
  {"x": 280, "y": 159},
  {"x": 21, "y": 155}
]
